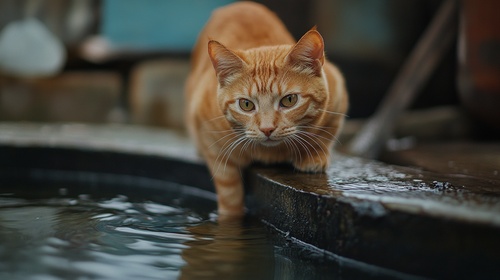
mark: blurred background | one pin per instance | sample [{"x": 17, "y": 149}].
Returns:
[{"x": 125, "y": 61}]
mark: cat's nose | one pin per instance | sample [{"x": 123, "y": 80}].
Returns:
[{"x": 267, "y": 130}]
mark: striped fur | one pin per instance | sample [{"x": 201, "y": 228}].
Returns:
[{"x": 257, "y": 60}]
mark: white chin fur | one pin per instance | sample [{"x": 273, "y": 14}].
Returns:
[{"x": 270, "y": 143}]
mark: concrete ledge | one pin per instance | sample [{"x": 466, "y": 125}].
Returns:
[
  {"x": 406, "y": 220},
  {"x": 416, "y": 222}
]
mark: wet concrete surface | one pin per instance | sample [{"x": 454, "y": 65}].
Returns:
[
  {"x": 427, "y": 223},
  {"x": 409, "y": 220},
  {"x": 399, "y": 187}
]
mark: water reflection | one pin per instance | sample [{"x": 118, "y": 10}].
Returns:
[{"x": 228, "y": 250}]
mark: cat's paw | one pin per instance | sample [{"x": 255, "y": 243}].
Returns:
[{"x": 317, "y": 166}]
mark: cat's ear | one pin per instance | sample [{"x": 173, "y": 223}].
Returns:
[
  {"x": 226, "y": 63},
  {"x": 308, "y": 54}
]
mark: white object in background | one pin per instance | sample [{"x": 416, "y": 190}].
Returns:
[{"x": 29, "y": 49}]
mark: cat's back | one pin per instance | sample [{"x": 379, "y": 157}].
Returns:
[{"x": 245, "y": 25}]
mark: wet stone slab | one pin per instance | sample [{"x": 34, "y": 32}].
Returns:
[
  {"x": 405, "y": 219},
  {"x": 417, "y": 222}
]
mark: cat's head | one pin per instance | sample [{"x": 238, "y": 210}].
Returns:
[{"x": 270, "y": 93}]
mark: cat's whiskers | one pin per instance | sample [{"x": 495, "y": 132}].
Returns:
[
  {"x": 245, "y": 146},
  {"x": 233, "y": 133},
  {"x": 213, "y": 119},
  {"x": 333, "y": 113},
  {"x": 293, "y": 147},
  {"x": 318, "y": 135},
  {"x": 253, "y": 147},
  {"x": 234, "y": 146},
  {"x": 227, "y": 150},
  {"x": 322, "y": 129},
  {"x": 312, "y": 136},
  {"x": 286, "y": 136},
  {"x": 226, "y": 145},
  {"x": 251, "y": 134},
  {"x": 303, "y": 144},
  {"x": 308, "y": 143},
  {"x": 222, "y": 131}
]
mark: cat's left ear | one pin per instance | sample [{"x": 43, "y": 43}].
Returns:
[
  {"x": 226, "y": 63},
  {"x": 308, "y": 54}
]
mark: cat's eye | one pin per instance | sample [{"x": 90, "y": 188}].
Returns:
[
  {"x": 246, "y": 105},
  {"x": 289, "y": 100}
]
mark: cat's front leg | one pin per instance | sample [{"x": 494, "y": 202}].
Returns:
[
  {"x": 230, "y": 195},
  {"x": 229, "y": 188}
]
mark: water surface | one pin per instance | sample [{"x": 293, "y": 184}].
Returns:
[{"x": 122, "y": 237}]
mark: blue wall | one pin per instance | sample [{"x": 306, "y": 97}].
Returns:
[{"x": 171, "y": 25}]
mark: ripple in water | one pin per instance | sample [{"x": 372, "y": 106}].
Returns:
[{"x": 122, "y": 239}]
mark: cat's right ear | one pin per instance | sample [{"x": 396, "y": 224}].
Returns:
[
  {"x": 226, "y": 63},
  {"x": 308, "y": 54}
]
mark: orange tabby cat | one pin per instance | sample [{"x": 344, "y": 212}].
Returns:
[{"x": 269, "y": 100}]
